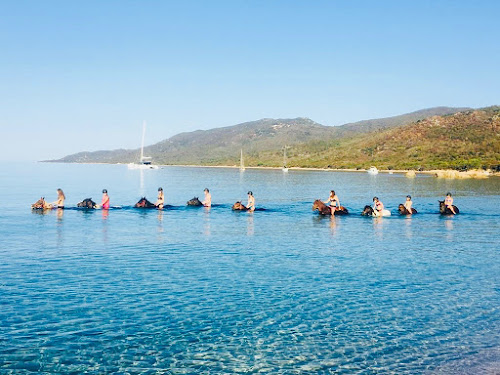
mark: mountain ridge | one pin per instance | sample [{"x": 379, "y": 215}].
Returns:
[{"x": 263, "y": 141}]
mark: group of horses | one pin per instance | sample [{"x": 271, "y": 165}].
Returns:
[
  {"x": 41, "y": 204},
  {"x": 318, "y": 205},
  {"x": 144, "y": 203},
  {"x": 323, "y": 209}
]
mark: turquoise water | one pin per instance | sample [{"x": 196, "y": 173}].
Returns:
[{"x": 190, "y": 290}]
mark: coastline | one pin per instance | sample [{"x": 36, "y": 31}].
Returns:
[{"x": 438, "y": 173}]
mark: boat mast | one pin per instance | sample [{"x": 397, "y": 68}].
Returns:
[
  {"x": 143, "y": 136},
  {"x": 242, "y": 164},
  {"x": 284, "y": 157}
]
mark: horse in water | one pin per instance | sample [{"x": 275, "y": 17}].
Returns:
[
  {"x": 443, "y": 210},
  {"x": 403, "y": 211},
  {"x": 194, "y": 202},
  {"x": 238, "y": 206},
  {"x": 87, "y": 203},
  {"x": 144, "y": 203},
  {"x": 323, "y": 209},
  {"x": 41, "y": 205},
  {"x": 369, "y": 211}
]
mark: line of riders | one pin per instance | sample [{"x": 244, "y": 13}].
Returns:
[
  {"x": 333, "y": 207},
  {"x": 329, "y": 207}
]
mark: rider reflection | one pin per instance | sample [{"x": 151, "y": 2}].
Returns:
[
  {"x": 378, "y": 227},
  {"x": 250, "y": 227},
  {"x": 160, "y": 221},
  {"x": 333, "y": 225},
  {"x": 59, "y": 226},
  {"x": 207, "y": 230}
]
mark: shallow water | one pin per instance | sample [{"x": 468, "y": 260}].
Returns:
[{"x": 190, "y": 290}]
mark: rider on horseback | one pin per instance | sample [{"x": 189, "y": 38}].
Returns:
[
  {"x": 334, "y": 202},
  {"x": 408, "y": 204},
  {"x": 378, "y": 207},
  {"x": 448, "y": 201}
]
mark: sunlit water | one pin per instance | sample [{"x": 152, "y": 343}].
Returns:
[{"x": 190, "y": 290}]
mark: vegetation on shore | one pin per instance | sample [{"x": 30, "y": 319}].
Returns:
[
  {"x": 462, "y": 141},
  {"x": 438, "y": 138}
]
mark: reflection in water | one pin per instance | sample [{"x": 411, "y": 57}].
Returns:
[
  {"x": 333, "y": 225},
  {"x": 59, "y": 225},
  {"x": 378, "y": 224},
  {"x": 448, "y": 224},
  {"x": 250, "y": 227},
  {"x": 207, "y": 231},
  {"x": 105, "y": 215},
  {"x": 41, "y": 212},
  {"x": 160, "y": 221},
  {"x": 408, "y": 227}
]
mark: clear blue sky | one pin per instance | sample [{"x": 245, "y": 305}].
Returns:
[{"x": 83, "y": 75}]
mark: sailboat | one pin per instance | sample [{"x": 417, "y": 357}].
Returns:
[
  {"x": 242, "y": 164},
  {"x": 144, "y": 161},
  {"x": 285, "y": 168}
]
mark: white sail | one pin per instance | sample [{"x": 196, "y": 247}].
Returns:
[{"x": 144, "y": 161}]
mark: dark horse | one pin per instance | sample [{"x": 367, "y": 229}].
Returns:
[
  {"x": 323, "y": 209},
  {"x": 87, "y": 203},
  {"x": 367, "y": 211},
  {"x": 443, "y": 210},
  {"x": 403, "y": 211},
  {"x": 238, "y": 206},
  {"x": 144, "y": 203},
  {"x": 194, "y": 202}
]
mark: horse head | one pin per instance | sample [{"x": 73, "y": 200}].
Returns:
[
  {"x": 402, "y": 209},
  {"x": 367, "y": 211},
  {"x": 317, "y": 205},
  {"x": 442, "y": 207},
  {"x": 144, "y": 203},
  {"x": 194, "y": 202},
  {"x": 39, "y": 204},
  {"x": 238, "y": 206}
]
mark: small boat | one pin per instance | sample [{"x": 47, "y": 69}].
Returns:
[
  {"x": 373, "y": 170},
  {"x": 242, "y": 164},
  {"x": 285, "y": 168},
  {"x": 144, "y": 161}
]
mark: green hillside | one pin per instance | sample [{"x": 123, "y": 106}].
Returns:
[
  {"x": 465, "y": 140},
  {"x": 262, "y": 142}
]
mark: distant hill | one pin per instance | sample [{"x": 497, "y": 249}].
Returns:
[
  {"x": 464, "y": 140},
  {"x": 262, "y": 141}
]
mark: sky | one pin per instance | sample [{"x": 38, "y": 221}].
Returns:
[{"x": 83, "y": 75}]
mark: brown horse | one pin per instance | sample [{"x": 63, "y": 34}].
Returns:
[
  {"x": 238, "y": 206},
  {"x": 323, "y": 209},
  {"x": 443, "y": 210},
  {"x": 403, "y": 211},
  {"x": 41, "y": 205},
  {"x": 144, "y": 203}
]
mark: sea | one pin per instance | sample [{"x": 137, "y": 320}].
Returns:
[{"x": 192, "y": 290}]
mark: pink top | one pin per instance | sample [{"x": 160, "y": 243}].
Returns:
[
  {"x": 448, "y": 201},
  {"x": 105, "y": 201}
]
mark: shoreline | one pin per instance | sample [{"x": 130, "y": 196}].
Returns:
[{"x": 438, "y": 173}]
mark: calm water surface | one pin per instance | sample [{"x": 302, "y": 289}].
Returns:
[{"x": 190, "y": 290}]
